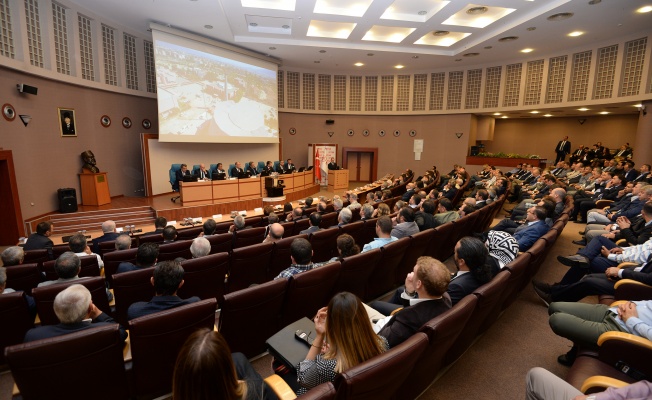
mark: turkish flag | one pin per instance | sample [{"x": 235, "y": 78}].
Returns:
[{"x": 317, "y": 166}]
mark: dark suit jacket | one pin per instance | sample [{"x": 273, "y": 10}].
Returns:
[
  {"x": 461, "y": 286},
  {"x": 310, "y": 230},
  {"x": 235, "y": 171},
  {"x": 631, "y": 175},
  {"x": 268, "y": 170},
  {"x": 332, "y": 166},
  {"x": 449, "y": 194},
  {"x": 180, "y": 176},
  {"x": 50, "y": 331},
  {"x": 637, "y": 233},
  {"x": 290, "y": 168},
  {"x": 424, "y": 220},
  {"x": 528, "y": 234},
  {"x": 409, "y": 320},
  {"x": 566, "y": 149},
  {"x": 158, "y": 303},
  {"x": 36, "y": 241},
  {"x": 407, "y": 195},
  {"x": 643, "y": 276},
  {"x": 107, "y": 237},
  {"x": 252, "y": 171},
  {"x": 280, "y": 170},
  {"x": 207, "y": 174}
]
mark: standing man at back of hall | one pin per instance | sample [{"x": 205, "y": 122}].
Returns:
[{"x": 563, "y": 148}]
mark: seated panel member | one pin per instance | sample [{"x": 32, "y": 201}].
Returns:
[
  {"x": 202, "y": 172},
  {"x": 180, "y": 174},
  {"x": 251, "y": 169},
  {"x": 269, "y": 168},
  {"x": 219, "y": 169},
  {"x": 235, "y": 171},
  {"x": 289, "y": 166},
  {"x": 280, "y": 168}
]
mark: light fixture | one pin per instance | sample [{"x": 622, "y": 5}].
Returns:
[
  {"x": 534, "y": 112},
  {"x": 488, "y": 47},
  {"x": 415, "y": 57},
  {"x": 286, "y": 27},
  {"x": 322, "y": 51},
  {"x": 575, "y": 34},
  {"x": 458, "y": 59},
  {"x": 370, "y": 54},
  {"x": 594, "y": 2},
  {"x": 471, "y": 54},
  {"x": 638, "y": 105},
  {"x": 528, "y": 50},
  {"x": 603, "y": 112},
  {"x": 208, "y": 26},
  {"x": 477, "y": 10},
  {"x": 547, "y": 115},
  {"x": 496, "y": 113},
  {"x": 358, "y": 64},
  {"x": 254, "y": 24},
  {"x": 508, "y": 39},
  {"x": 583, "y": 109},
  {"x": 532, "y": 28},
  {"x": 645, "y": 9},
  {"x": 317, "y": 62},
  {"x": 560, "y": 16},
  {"x": 422, "y": 12},
  {"x": 504, "y": 117},
  {"x": 272, "y": 48},
  {"x": 459, "y": 134},
  {"x": 25, "y": 119},
  {"x": 440, "y": 33},
  {"x": 399, "y": 66}
]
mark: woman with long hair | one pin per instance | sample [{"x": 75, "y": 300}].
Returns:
[
  {"x": 346, "y": 247},
  {"x": 381, "y": 210},
  {"x": 343, "y": 340},
  {"x": 206, "y": 370}
]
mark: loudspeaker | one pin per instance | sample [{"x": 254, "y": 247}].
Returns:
[
  {"x": 330, "y": 122},
  {"x": 23, "y": 88},
  {"x": 67, "y": 200},
  {"x": 475, "y": 150}
]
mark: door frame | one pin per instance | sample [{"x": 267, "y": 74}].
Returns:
[
  {"x": 11, "y": 213},
  {"x": 374, "y": 158}
]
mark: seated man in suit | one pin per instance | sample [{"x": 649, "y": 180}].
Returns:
[
  {"x": 405, "y": 225},
  {"x": 343, "y": 218},
  {"x": 384, "y": 233},
  {"x": 425, "y": 217},
  {"x": 167, "y": 279},
  {"x": 203, "y": 173},
  {"x": 269, "y": 168},
  {"x": 14, "y": 255},
  {"x": 219, "y": 169},
  {"x": 238, "y": 224},
  {"x": 638, "y": 230},
  {"x": 76, "y": 312},
  {"x": 473, "y": 268},
  {"x": 236, "y": 170},
  {"x": 67, "y": 267},
  {"x": 169, "y": 234},
  {"x": 123, "y": 242},
  {"x": 146, "y": 257},
  {"x": 445, "y": 212},
  {"x": 200, "y": 247},
  {"x": 251, "y": 169},
  {"x": 208, "y": 228},
  {"x": 78, "y": 246},
  {"x": 424, "y": 298},
  {"x": 108, "y": 234},
  {"x": 41, "y": 239},
  {"x": 289, "y": 166},
  {"x": 300, "y": 255},
  {"x": 315, "y": 220},
  {"x": 180, "y": 174},
  {"x": 159, "y": 224},
  {"x": 280, "y": 168},
  {"x": 535, "y": 226},
  {"x": 275, "y": 233}
]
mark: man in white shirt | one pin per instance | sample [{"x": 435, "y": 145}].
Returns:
[{"x": 78, "y": 246}]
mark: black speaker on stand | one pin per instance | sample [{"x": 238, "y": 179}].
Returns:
[
  {"x": 475, "y": 150},
  {"x": 67, "y": 200}
]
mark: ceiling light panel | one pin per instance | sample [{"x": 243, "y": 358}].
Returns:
[
  {"x": 327, "y": 29},
  {"x": 414, "y": 11},
  {"x": 389, "y": 34},
  {"x": 284, "y": 5},
  {"x": 445, "y": 40},
  {"x": 269, "y": 25},
  {"x": 349, "y": 8},
  {"x": 475, "y": 19}
]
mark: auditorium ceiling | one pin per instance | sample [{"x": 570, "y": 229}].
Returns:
[{"x": 381, "y": 36}]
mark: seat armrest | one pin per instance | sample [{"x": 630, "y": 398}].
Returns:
[
  {"x": 282, "y": 390},
  {"x": 629, "y": 289},
  {"x": 603, "y": 203},
  {"x": 626, "y": 349},
  {"x": 627, "y": 264},
  {"x": 600, "y": 383}
]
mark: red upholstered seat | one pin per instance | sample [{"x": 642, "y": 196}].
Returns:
[
  {"x": 170, "y": 251},
  {"x": 189, "y": 233},
  {"x": 204, "y": 277},
  {"x": 355, "y": 230},
  {"x": 113, "y": 260},
  {"x": 383, "y": 277},
  {"x": 324, "y": 244},
  {"x": 130, "y": 287},
  {"x": 249, "y": 265},
  {"x": 248, "y": 237},
  {"x": 221, "y": 242},
  {"x": 328, "y": 220},
  {"x": 355, "y": 273},
  {"x": 418, "y": 244},
  {"x": 15, "y": 319},
  {"x": 23, "y": 277}
]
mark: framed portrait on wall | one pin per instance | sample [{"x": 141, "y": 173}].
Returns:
[{"x": 67, "y": 125}]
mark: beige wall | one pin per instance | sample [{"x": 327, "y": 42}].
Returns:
[
  {"x": 441, "y": 146},
  {"x": 541, "y": 135},
  {"x": 45, "y": 161}
]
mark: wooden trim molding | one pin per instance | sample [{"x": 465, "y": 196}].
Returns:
[{"x": 145, "y": 138}]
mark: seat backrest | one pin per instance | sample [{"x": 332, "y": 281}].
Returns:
[
  {"x": 444, "y": 239},
  {"x": 15, "y": 319},
  {"x": 189, "y": 233},
  {"x": 173, "y": 173},
  {"x": 204, "y": 277},
  {"x": 324, "y": 244},
  {"x": 537, "y": 253},
  {"x": 254, "y": 221},
  {"x": 328, "y": 220},
  {"x": 368, "y": 232},
  {"x": 44, "y": 297},
  {"x": 325, "y": 391},
  {"x": 355, "y": 273},
  {"x": 381, "y": 376},
  {"x": 281, "y": 258},
  {"x": 231, "y": 166},
  {"x": 23, "y": 277},
  {"x": 152, "y": 238},
  {"x": 383, "y": 277},
  {"x": 109, "y": 246},
  {"x": 89, "y": 267},
  {"x": 300, "y": 225},
  {"x": 68, "y": 366},
  {"x": 221, "y": 242},
  {"x": 288, "y": 228},
  {"x": 113, "y": 260},
  {"x": 464, "y": 226},
  {"x": 250, "y": 316},
  {"x": 309, "y": 291},
  {"x": 248, "y": 237},
  {"x": 442, "y": 332},
  {"x": 490, "y": 296},
  {"x": 518, "y": 272},
  {"x": 419, "y": 243},
  {"x": 170, "y": 251},
  {"x": 130, "y": 287},
  {"x": 223, "y": 227},
  {"x": 59, "y": 249},
  {"x": 36, "y": 256},
  {"x": 355, "y": 230},
  {"x": 249, "y": 265},
  {"x": 156, "y": 340}
]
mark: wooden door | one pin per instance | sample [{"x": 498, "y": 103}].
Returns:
[
  {"x": 11, "y": 218},
  {"x": 359, "y": 164}
]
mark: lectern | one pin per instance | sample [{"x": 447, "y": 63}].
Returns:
[
  {"x": 94, "y": 189},
  {"x": 338, "y": 179}
]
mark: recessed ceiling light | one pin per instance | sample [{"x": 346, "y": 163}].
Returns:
[
  {"x": 576, "y": 33},
  {"x": 496, "y": 113},
  {"x": 638, "y": 105},
  {"x": 471, "y": 54},
  {"x": 593, "y": 2},
  {"x": 534, "y": 112},
  {"x": 603, "y": 112},
  {"x": 322, "y": 51},
  {"x": 370, "y": 54},
  {"x": 504, "y": 117},
  {"x": 286, "y": 27},
  {"x": 358, "y": 64},
  {"x": 316, "y": 62},
  {"x": 272, "y": 48},
  {"x": 415, "y": 57},
  {"x": 560, "y": 16},
  {"x": 253, "y": 24},
  {"x": 583, "y": 109},
  {"x": 458, "y": 59},
  {"x": 399, "y": 66},
  {"x": 547, "y": 115},
  {"x": 488, "y": 47},
  {"x": 532, "y": 28},
  {"x": 477, "y": 10},
  {"x": 508, "y": 39},
  {"x": 208, "y": 26},
  {"x": 528, "y": 50},
  {"x": 645, "y": 9},
  {"x": 440, "y": 33},
  {"x": 422, "y": 12}
]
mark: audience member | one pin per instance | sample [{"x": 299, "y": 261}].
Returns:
[
  {"x": 67, "y": 267},
  {"x": 78, "y": 246},
  {"x": 146, "y": 257},
  {"x": 405, "y": 225},
  {"x": 366, "y": 211},
  {"x": 159, "y": 224},
  {"x": 353, "y": 201},
  {"x": 473, "y": 268},
  {"x": 167, "y": 279},
  {"x": 409, "y": 192},
  {"x": 345, "y": 247},
  {"x": 425, "y": 217},
  {"x": 534, "y": 227},
  {"x": 343, "y": 218},
  {"x": 315, "y": 220},
  {"x": 381, "y": 210},
  {"x": 238, "y": 224},
  {"x": 41, "y": 239},
  {"x": 275, "y": 233},
  {"x": 169, "y": 234},
  {"x": 300, "y": 255},
  {"x": 383, "y": 233},
  {"x": 209, "y": 227},
  {"x": 503, "y": 249},
  {"x": 123, "y": 242},
  {"x": 108, "y": 234},
  {"x": 445, "y": 212},
  {"x": 295, "y": 215},
  {"x": 200, "y": 247},
  {"x": 14, "y": 255}
]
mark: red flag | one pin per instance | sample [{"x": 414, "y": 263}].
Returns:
[{"x": 317, "y": 166}]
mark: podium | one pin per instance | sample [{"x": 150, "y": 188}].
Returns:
[
  {"x": 338, "y": 179},
  {"x": 94, "y": 189}
]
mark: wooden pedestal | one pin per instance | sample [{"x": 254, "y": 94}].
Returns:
[{"x": 95, "y": 189}]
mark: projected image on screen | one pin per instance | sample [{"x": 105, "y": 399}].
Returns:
[{"x": 208, "y": 97}]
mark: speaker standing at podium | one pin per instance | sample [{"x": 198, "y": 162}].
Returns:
[{"x": 333, "y": 165}]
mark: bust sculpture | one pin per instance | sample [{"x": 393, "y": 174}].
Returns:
[{"x": 89, "y": 162}]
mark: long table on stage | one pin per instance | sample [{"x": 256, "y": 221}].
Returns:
[{"x": 215, "y": 192}]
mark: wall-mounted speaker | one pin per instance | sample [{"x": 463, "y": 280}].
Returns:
[
  {"x": 23, "y": 88},
  {"x": 330, "y": 122}
]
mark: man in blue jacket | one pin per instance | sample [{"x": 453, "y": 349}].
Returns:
[{"x": 535, "y": 226}]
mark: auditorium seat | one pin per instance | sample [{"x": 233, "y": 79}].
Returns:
[
  {"x": 44, "y": 297},
  {"x": 261, "y": 165},
  {"x": 383, "y": 278},
  {"x": 444, "y": 238},
  {"x": 153, "y": 238},
  {"x": 518, "y": 273},
  {"x": 355, "y": 273},
  {"x": 464, "y": 226},
  {"x": 253, "y": 221},
  {"x": 15, "y": 319},
  {"x": 309, "y": 291},
  {"x": 281, "y": 258},
  {"x": 109, "y": 246},
  {"x": 250, "y": 316},
  {"x": 36, "y": 256},
  {"x": 80, "y": 365},
  {"x": 89, "y": 267},
  {"x": 189, "y": 233},
  {"x": 419, "y": 242},
  {"x": 59, "y": 249},
  {"x": 23, "y": 277},
  {"x": 204, "y": 277},
  {"x": 300, "y": 225},
  {"x": 368, "y": 232},
  {"x": 288, "y": 228},
  {"x": 328, "y": 220},
  {"x": 112, "y": 262},
  {"x": 231, "y": 166},
  {"x": 324, "y": 244},
  {"x": 380, "y": 377},
  {"x": 442, "y": 331},
  {"x": 309, "y": 210},
  {"x": 249, "y": 265},
  {"x": 537, "y": 255},
  {"x": 156, "y": 340},
  {"x": 221, "y": 242},
  {"x": 130, "y": 287},
  {"x": 248, "y": 237},
  {"x": 223, "y": 227},
  {"x": 355, "y": 230},
  {"x": 170, "y": 251}
]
